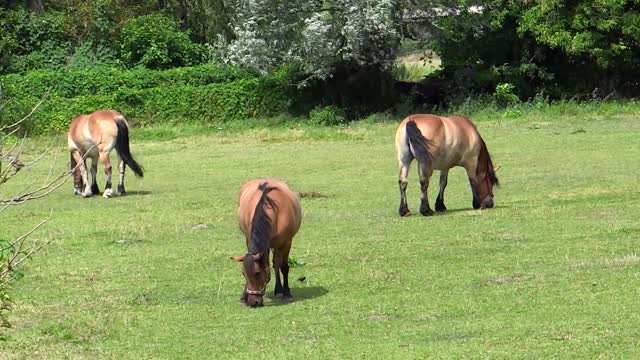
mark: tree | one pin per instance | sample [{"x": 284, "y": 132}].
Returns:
[
  {"x": 560, "y": 47},
  {"x": 318, "y": 36},
  {"x": 155, "y": 42},
  {"x": 339, "y": 52}
]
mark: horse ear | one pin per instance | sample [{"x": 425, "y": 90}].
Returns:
[
  {"x": 495, "y": 169},
  {"x": 256, "y": 257},
  {"x": 238, "y": 258}
]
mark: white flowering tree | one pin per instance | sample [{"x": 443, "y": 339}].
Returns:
[{"x": 315, "y": 35}]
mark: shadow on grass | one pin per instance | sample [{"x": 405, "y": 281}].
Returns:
[
  {"x": 138, "y": 193},
  {"x": 299, "y": 294},
  {"x": 470, "y": 209}
]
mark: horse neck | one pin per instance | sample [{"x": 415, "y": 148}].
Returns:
[
  {"x": 259, "y": 244},
  {"x": 484, "y": 160},
  {"x": 261, "y": 228}
]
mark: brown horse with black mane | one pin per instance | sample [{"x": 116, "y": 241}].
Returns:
[
  {"x": 94, "y": 136},
  {"x": 270, "y": 216},
  {"x": 441, "y": 143}
]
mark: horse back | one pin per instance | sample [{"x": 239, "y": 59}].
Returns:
[
  {"x": 285, "y": 219},
  {"x": 452, "y": 140},
  {"x": 97, "y": 130}
]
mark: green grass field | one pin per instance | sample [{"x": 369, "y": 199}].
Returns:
[{"x": 551, "y": 272}]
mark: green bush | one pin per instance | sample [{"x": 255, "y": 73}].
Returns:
[
  {"x": 328, "y": 116},
  {"x": 156, "y": 42},
  {"x": 107, "y": 80},
  {"x": 33, "y": 41},
  {"x": 195, "y": 95},
  {"x": 504, "y": 94}
]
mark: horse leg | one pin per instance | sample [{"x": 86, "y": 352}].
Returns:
[
  {"x": 106, "y": 163},
  {"x": 94, "y": 176},
  {"x": 285, "y": 271},
  {"x": 473, "y": 182},
  {"x": 405, "y": 162},
  {"x": 82, "y": 166},
  {"x": 121, "y": 168},
  {"x": 444, "y": 175},
  {"x": 424, "y": 171},
  {"x": 77, "y": 173},
  {"x": 277, "y": 267}
]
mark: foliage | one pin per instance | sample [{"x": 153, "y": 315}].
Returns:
[
  {"x": 155, "y": 42},
  {"x": 326, "y": 116},
  {"x": 561, "y": 48},
  {"x": 107, "y": 80},
  {"x": 504, "y": 94},
  {"x": 203, "y": 94},
  {"x": 53, "y": 38},
  {"x": 607, "y": 31},
  {"x": 269, "y": 34},
  {"x": 342, "y": 51},
  {"x": 29, "y": 41}
]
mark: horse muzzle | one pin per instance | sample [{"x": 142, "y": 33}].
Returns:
[
  {"x": 487, "y": 203},
  {"x": 258, "y": 302},
  {"x": 255, "y": 297}
]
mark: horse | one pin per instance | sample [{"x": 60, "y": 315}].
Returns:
[
  {"x": 441, "y": 143},
  {"x": 94, "y": 136},
  {"x": 269, "y": 216}
]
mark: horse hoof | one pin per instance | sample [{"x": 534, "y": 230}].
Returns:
[
  {"x": 441, "y": 208},
  {"x": 286, "y": 298},
  {"x": 107, "y": 193},
  {"x": 87, "y": 194},
  {"x": 404, "y": 212},
  {"x": 428, "y": 212}
]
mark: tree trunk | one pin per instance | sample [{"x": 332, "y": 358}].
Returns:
[{"x": 36, "y": 6}]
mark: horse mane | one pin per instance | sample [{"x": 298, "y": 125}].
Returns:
[
  {"x": 261, "y": 225},
  {"x": 484, "y": 159}
]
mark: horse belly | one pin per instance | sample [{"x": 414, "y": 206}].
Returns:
[
  {"x": 446, "y": 161},
  {"x": 88, "y": 147}
]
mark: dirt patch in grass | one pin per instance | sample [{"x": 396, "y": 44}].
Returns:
[
  {"x": 505, "y": 279},
  {"x": 311, "y": 195},
  {"x": 614, "y": 262}
]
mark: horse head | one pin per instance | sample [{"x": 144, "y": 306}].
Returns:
[
  {"x": 256, "y": 274},
  {"x": 487, "y": 180}
]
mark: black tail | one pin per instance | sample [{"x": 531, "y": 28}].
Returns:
[
  {"x": 261, "y": 224},
  {"x": 72, "y": 162},
  {"x": 417, "y": 143},
  {"x": 122, "y": 147}
]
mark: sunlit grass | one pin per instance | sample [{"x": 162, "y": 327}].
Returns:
[
  {"x": 550, "y": 272},
  {"x": 416, "y": 66}
]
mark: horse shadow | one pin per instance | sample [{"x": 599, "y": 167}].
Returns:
[
  {"x": 137, "y": 192},
  {"x": 299, "y": 294},
  {"x": 469, "y": 209}
]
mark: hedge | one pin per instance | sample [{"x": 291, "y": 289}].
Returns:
[
  {"x": 106, "y": 80},
  {"x": 146, "y": 97}
]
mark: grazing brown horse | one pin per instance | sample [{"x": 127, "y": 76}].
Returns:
[
  {"x": 270, "y": 216},
  {"x": 94, "y": 136},
  {"x": 441, "y": 143}
]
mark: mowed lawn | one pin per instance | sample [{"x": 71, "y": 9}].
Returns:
[{"x": 552, "y": 271}]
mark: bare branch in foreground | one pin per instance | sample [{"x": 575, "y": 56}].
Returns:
[
  {"x": 19, "y": 252},
  {"x": 17, "y": 123}
]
